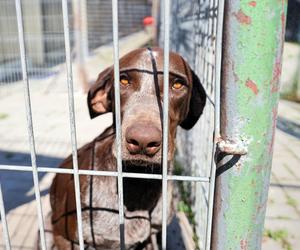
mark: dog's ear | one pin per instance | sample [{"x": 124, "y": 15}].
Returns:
[
  {"x": 99, "y": 98},
  {"x": 197, "y": 103}
]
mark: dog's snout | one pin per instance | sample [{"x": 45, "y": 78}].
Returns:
[{"x": 143, "y": 139}]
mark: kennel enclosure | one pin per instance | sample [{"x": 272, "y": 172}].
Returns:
[{"x": 238, "y": 60}]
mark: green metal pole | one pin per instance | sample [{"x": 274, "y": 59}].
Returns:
[{"x": 252, "y": 49}]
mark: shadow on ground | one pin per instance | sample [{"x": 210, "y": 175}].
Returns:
[
  {"x": 291, "y": 186},
  {"x": 17, "y": 186},
  {"x": 288, "y": 126}
]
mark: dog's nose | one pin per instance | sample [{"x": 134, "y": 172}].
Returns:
[{"x": 143, "y": 139}]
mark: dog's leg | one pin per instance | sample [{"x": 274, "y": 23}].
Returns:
[
  {"x": 154, "y": 242},
  {"x": 62, "y": 244}
]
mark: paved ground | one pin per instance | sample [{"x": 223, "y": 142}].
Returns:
[
  {"x": 282, "y": 226},
  {"x": 49, "y": 101}
]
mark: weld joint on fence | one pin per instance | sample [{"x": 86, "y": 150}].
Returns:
[{"x": 231, "y": 147}]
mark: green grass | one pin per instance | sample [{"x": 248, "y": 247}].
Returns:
[
  {"x": 3, "y": 116},
  {"x": 280, "y": 217},
  {"x": 291, "y": 201},
  {"x": 280, "y": 235}
]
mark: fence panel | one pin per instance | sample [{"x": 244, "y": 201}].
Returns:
[
  {"x": 43, "y": 26},
  {"x": 196, "y": 35}
]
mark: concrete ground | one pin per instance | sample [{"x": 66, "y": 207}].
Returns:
[
  {"x": 51, "y": 124},
  {"x": 282, "y": 225}
]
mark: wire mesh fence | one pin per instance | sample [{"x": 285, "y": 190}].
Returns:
[
  {"x": 194, "y": 35},
  {"x": 44, "y": 36}
]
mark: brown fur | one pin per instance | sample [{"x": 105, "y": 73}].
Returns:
[{"x": 141, "y": 103}]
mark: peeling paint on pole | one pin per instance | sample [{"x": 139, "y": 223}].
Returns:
[{"x": 253, "y": 40}]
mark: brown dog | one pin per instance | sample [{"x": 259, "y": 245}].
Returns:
[{"x": 141, "y": 88}]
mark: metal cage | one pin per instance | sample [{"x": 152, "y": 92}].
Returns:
[
  {"x": 197, "y": 28},
  {"x": 201, "y": 177}
]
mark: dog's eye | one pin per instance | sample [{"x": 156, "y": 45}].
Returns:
[
  {"x": 124, "y": 80},
  {"x": 177, "y": 84}
]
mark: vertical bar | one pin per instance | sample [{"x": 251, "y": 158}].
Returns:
[
  {"x": 118, "y": 118},
  {"x": 72, "y": 121},
  {"x": 80, "y": 27},
  {"x": 4, "y": 222},
  {"x": 217, "y": 83},
  {"x": 249, "y": 99},
  {"x": 29, "y": 122},
  {"x": 165, "y": 122},
  {"x": 81, "y": 44},
  {"x": 155, "y": 15}
]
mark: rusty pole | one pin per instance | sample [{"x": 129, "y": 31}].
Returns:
[{"x": 251, "y": 67}]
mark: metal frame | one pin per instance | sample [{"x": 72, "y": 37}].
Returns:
[
  {"x": 253, "y": 42},
  {"x": 166, "y": 7},
  {"x": 197, "y": 35},
  {"x": 4, "y": 222},
  {"x": 218, "y": 66},
  {"x": 72, "y": 121},
  {"x": 77, "y": 172},
  {"x": 29, "y": 123}
]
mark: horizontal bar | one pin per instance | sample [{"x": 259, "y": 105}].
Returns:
[
  {"x": 15, "y": 168},
  {"x": 106, "y": 173},
  {"x": 188, "y": 178}
]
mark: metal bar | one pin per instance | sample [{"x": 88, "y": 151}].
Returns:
[
  {"x": 249, "y": 93},
  {"x": 98, "y": 173},
  {"x": 142, "y": 176},
  {"x": 15, "y": 168},
  {"x": 4, "y": 222},
  {"x": 106, "y": 173},
  {"x": 165, "y": 122},
  {"x": 218, "y": 64},
  {"x": 188, "y": 178},
  {"x": 118, "y": 119},
  {"x": 80, "y": 42},
  {"x": 29, "y": 123},
  {"x": 72, "y": 121}
]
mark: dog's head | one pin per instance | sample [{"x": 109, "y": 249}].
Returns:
[{"x": 141, "y": 90}]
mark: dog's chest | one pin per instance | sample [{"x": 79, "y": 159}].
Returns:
[{"x": 101, "y": 215}]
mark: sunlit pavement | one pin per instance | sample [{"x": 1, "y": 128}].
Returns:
[{"x": 282, "y": 225}]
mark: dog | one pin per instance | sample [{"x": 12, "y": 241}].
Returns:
[{"x": 141, "y": 94}]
